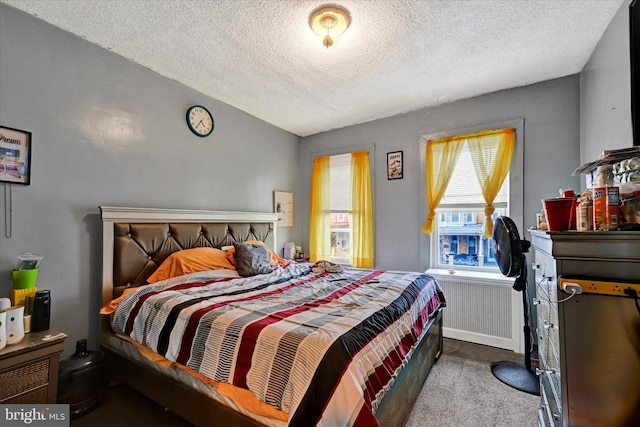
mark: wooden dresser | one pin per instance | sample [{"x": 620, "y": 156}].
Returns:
[
  {"x": 589, "y": 344},
  {"x": 29, "y": 370}
]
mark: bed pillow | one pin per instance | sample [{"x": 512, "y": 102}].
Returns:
[
  {"x": 274, "y": 258},
  {"x": 251, "y": 259},
  {"x": 191, "y": 261}
]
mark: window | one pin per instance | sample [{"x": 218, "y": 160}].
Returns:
[
  {"x": 454, "y": 207},
  {"x": 460, "y": 240},
  {"x": 341, "y": 210},
  {"x": 339, "y": 207}
]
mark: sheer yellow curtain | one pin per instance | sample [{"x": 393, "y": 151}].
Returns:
[
  {"x": 319, "y": 206},
  {"x": 361, "y": 211},
  {"x": 491, "y": 153},
  {"x": 441, "y": 158}
]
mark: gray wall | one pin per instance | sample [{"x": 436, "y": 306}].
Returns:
[
  {"x": 605, "y": 88},
  {"x": 109, "y": 132},
  {"x": 551, "y": 152}
]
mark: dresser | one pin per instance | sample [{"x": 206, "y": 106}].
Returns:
[
  {"x": 588, "y": 343},
  {"x": 29, "y": 369}
]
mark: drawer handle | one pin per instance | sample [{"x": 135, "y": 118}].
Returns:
[{"x": 547, "y": 325}]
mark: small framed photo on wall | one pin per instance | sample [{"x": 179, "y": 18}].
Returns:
[
  {"x": 394, "y": 165},
  {"x": 15, "y": 156}
]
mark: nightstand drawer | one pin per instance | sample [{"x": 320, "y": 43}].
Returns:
[
  {"x": 23, "y": 379},
  {"x": 36, "y": 396},
  {"x": 29, "y": 369}
]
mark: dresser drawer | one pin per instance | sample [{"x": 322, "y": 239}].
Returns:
[
  {"x": 554, "y": 407},
  {"x": 546, "y": 306},
  {"x": 544, "y": 266},
  {"x": 545, "y": 416},
  {"x": 551, "y": 340}
]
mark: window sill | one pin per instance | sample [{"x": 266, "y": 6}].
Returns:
[{"x": 467, "y": 274}]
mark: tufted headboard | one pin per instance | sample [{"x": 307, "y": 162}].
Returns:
[{"x": 135, "y": 241}]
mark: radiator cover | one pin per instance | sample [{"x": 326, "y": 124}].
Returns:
[{"x": 481, "y": 310}]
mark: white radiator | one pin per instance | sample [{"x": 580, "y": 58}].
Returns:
[{"x": 482, "y": 310}]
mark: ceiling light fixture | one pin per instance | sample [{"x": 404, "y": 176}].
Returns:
[{"x": 329, "y": 21}]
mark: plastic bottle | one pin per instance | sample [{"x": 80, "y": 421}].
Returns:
[{"x": 81, "y": 382}]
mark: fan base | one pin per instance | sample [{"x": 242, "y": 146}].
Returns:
[{"x": 516, "y": 376}]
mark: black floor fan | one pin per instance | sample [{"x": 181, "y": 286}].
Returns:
[{"x": 510, "y": 250}]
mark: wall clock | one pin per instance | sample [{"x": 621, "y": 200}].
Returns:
[{"x": 200, "y": 120}]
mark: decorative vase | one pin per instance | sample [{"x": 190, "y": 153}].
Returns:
[
  {"x": 15, "y": 324},
  {"x": 4, "y": 303},
  {"x": 3, "y": 329}
]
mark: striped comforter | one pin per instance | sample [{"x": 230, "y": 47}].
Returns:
[{"x": 323, "y": 348}]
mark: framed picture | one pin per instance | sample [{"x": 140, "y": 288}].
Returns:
[
  {"x": 15, "y": 156},
  {"x": 394, "y": 165},
  {"x": 283, "y": 206}
]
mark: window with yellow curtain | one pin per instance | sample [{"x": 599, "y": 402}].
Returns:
[
  {"x": 468, "y": 187},
  {"x": 341, "y": 210}
]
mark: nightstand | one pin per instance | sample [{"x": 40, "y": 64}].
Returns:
[{"x": 29, "y": 370}]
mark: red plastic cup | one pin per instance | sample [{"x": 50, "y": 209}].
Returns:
[{"x": 558, "y": 212}]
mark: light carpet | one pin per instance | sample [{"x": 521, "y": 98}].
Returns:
[{"x": 460, "y": 391}]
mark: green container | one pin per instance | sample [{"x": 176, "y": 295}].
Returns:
[{"x": 24, "y": 279}]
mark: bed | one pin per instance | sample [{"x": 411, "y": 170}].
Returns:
[{"x": 251, "y": 374}]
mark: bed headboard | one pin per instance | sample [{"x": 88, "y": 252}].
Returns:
[{"x": 135, "y": 241}]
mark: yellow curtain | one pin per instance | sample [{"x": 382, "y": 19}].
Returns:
[
  {"x": 491, "y": 153},
  {"x": 319, "y": 232},
  {"x": 361, "y": 211},
  {"x": 441, "y": 158}
]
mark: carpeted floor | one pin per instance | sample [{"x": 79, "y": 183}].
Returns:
[{"x": 460, "y": 391}]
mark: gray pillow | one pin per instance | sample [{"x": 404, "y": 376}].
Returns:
[{"x": 251, "y": 259}]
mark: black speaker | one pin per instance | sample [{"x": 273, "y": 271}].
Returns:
[{"x": 41, "y": 311}]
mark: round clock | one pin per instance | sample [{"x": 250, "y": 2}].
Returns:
[{"x": 200, "y": 120}]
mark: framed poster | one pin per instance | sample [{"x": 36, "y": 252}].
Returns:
[
  {"x": 15, "y": 156},
  {"x": 283, "y": 206},
  {"x": 394, "y": 165}
]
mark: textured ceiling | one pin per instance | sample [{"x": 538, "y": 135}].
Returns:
[{"x": 261, "y": 57}]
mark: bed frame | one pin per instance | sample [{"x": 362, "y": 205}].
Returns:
[{"x": 137, "y": 240}]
